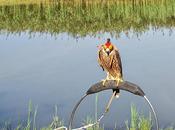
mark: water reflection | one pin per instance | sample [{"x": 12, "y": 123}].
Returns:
[
  {"x": 87, "y": 17},
  {"x": 58, "y": 71}
]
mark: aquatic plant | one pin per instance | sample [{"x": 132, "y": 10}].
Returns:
[{"x": 137, "y": 121}]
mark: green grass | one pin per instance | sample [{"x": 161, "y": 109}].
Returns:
[
  {"x": 87, "y": 17},
  {"x": 137, "y": 122}
]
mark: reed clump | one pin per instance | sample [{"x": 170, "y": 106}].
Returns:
[{"x": 137, "y": 122}]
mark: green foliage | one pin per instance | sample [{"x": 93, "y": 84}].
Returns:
[
  {"x": 139, "y": 122},
  {"x": 169, "y": 128},
  {"x": 56, "y": 122},
  {"x": 134, "y": 118},
  {"x": 144, "y": 123},
  {"x": 81, "y": 18},
  {"x": 90, "y": 120},
  {"x": 31, "y": 121}
]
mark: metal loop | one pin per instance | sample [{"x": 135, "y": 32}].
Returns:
[{"x": 127, "y": 86}]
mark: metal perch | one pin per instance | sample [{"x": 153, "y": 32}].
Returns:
[{"x": 110, "y": 84}]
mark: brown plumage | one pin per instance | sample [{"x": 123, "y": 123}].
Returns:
[{"x": 109, "y": 59}]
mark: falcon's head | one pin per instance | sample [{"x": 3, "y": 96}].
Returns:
[{"x": 108, "y": 47}]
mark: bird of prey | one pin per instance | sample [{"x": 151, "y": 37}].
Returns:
[{"x": 110, "y": 61}]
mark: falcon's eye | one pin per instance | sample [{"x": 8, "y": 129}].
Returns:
[
  {"x": 105, "y": 47},
  {"x": 110, "y": 47}
]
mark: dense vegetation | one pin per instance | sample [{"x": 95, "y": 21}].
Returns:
[{"x": 86, "y": 17}]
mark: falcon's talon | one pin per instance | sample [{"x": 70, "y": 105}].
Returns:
[
  {"x": 108, "y": 77},
  {"x": 118, "y": 80},
  {"x": 104, "y": 81}
]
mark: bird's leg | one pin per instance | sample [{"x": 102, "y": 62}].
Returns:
[
  {"x": 107, "y": 78},
  {"x": 118, "y": 80}
]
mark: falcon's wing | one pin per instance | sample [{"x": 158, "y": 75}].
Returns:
[
  {"x": 99, "y": 59},
  {"x": 118, "y": 59},
  {"x": 112, "y": 63},
  {"x": 104, "y": 60}
]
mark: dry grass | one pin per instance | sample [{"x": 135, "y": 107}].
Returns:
[{"x": 18, "y": 2}]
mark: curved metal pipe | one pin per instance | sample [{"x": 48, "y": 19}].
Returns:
[
  {"x": 153, "y": 111},
  {"x": 73, "y": 112},
  {"x": 127, "y": 86}
]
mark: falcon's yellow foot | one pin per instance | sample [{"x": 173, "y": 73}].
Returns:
[
  {"x": 104, "y": 81},
  {"x": 119, "y": 80}
]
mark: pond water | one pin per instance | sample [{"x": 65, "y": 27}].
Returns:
[
  {"x": 51, "y": 71},
  {"x": 55, "y": 66}
]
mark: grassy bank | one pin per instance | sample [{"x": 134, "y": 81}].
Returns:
[
  {"x": 84, "y": 17},
  {"x": 137, "y": 122}
]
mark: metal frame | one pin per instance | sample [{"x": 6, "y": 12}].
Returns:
[{"x": 110, "y": 84}]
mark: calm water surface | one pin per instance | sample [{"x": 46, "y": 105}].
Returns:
[{"x": 58, "y": 70}]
